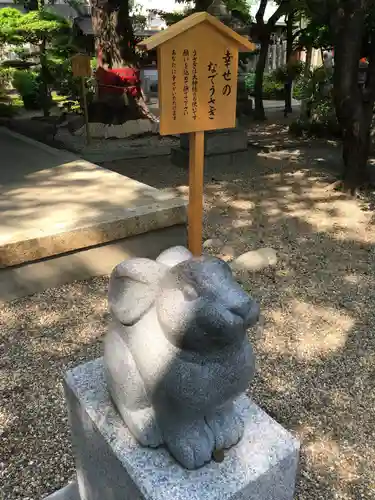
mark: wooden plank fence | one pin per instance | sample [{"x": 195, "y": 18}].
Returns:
[{"x": 276, "y": 56}]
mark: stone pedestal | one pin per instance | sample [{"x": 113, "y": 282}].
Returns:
[
  {"x": 226, "y": 146},
  {"x": 112, "y": 466}
]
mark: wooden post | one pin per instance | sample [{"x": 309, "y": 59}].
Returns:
[
  {"x": 85, "y": 111},
  {"x": 195, "y": 210},
  {"x": 197, "y": 92}
]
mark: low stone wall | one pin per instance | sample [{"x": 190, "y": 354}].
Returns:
[{"x": 128, "y": 129}]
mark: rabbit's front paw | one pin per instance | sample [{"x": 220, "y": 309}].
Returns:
[
  {"x": 191, "y": 443},
  {"x": 226, "y": 425},
  {"x": 143, "y": 426}
]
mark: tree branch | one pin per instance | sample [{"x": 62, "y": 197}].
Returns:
[
  {"x": 280, "y": 11},
  {"x": 260, "y": 14},
  {"x": 370, "y": 80}
]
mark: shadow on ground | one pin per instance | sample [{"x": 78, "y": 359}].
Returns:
[
  {"x": 315, "y": 356},
  {"x": 317, "y": 352}
]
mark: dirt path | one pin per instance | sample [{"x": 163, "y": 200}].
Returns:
[{"x": 316, "y": 355}]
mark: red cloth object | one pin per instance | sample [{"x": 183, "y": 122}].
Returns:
[{"x": 118, "y": 80}]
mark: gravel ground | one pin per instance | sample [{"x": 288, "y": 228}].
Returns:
[{"x": 315, "y": 356}]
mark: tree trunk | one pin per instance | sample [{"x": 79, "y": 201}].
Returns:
[
  {"x": 115, "y": 45},
  {"x": 356, "y": 148},
  {"x": 262, "y": 32},
  {"x": 289, "y": 51},
  {"x": 44, "y": 74},
  {"x": 307, "y": 67},
  {"x": 354, "y": 106},
  {"x": 113, "y": 32},
  {"x": 202, "y": 5},
  {"x": 259, "y": 73},
  {"x": 306, "y": 74}
]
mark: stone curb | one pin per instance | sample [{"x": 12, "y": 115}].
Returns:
[
  {"x": 41, "y": 145},
  {"x": 125, "y": 154}
]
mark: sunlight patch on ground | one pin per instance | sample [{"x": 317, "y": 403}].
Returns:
[
  {"x": 324, "y": 450},
  {"x": 314, "y": 331},
  {"x": 328, "y": 455},
  {"x": 6, "y": 418},
  {"x": 279, "y": 384},
  {"x": 242, "y": 204},
  {"x": 325, "y": 211},
  {"x": 237, "y": 224},
  {"x": 353, "y": 279},
  {"x": 323, "y": 330}
]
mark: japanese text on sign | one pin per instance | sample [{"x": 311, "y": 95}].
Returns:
[
  {"x": 198, "y": 87},
  {"x": 212, "y": 74},
  {"x": 194, "y": 85},
  {"x": 219, "y": 81},
  {"x": 186, "y": 82},
  {"x": 227, "y": 75},
  {"x": 174, "y": 77}
]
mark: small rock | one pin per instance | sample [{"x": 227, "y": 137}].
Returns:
[
  {"x": 227, "y": 253},
  {"x": 213, "y": 243},
  {"x": 255, "y": 260}
]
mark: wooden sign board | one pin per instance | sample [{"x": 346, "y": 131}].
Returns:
[
  {"x": 197, "y": 65},
  {"x": 198, "y": 82},
  {"x": 81, "y": 65}
]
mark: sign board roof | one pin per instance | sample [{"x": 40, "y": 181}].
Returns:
[{"x": 243, "y": 44}]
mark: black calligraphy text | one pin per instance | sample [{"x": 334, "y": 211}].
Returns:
[
  {"x": 186, "y": 56},
  {"x": 194, "y": 85},
  {"x": 227, "y": 75},
  {"x": 174, "y": 93},
  {"x": 212, "y": 74}
]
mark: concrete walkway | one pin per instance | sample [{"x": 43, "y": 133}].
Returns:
[{"x": 52, "y": 203}]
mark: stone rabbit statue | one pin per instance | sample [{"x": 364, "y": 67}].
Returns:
[{"x": 177, "y": 354}]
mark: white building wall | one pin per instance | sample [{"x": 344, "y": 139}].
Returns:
[{"x": 166, "y": 5}]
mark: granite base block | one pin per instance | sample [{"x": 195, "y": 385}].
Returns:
[
  {"x": 180, "y": 158},
  {"x": 111, "y": 465}
]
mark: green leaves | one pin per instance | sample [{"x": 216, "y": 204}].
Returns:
[
  {"x": 9, "y": 19},
  {"x": 316, "y": 34},
  {"x": 32, "y": 27}
]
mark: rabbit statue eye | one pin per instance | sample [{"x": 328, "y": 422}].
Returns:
[{"x": 189, "y": 292}]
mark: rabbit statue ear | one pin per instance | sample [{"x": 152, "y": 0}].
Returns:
[
  {"x": 132, "y": 288},
  {"x": 174, "y": 256}
]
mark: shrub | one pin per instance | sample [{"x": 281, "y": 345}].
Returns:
[
  {"x": 6, "y": 77},
  {"x": 302, "y": 88},
  {"x": 272, "y": 89},
  {"x": 25, "y": 82},
  {"x": 249, "y": 82},
  {"x": 294, "y": 70},
  {"x": 316, "y": 91},
  {"x": 299, "y": 127},
  {"x": 28, "y": 85},
  {"x": 7, "y": 110},
  {"x": 68, "y": 87},
  {"x": 320, "y": 122}
]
